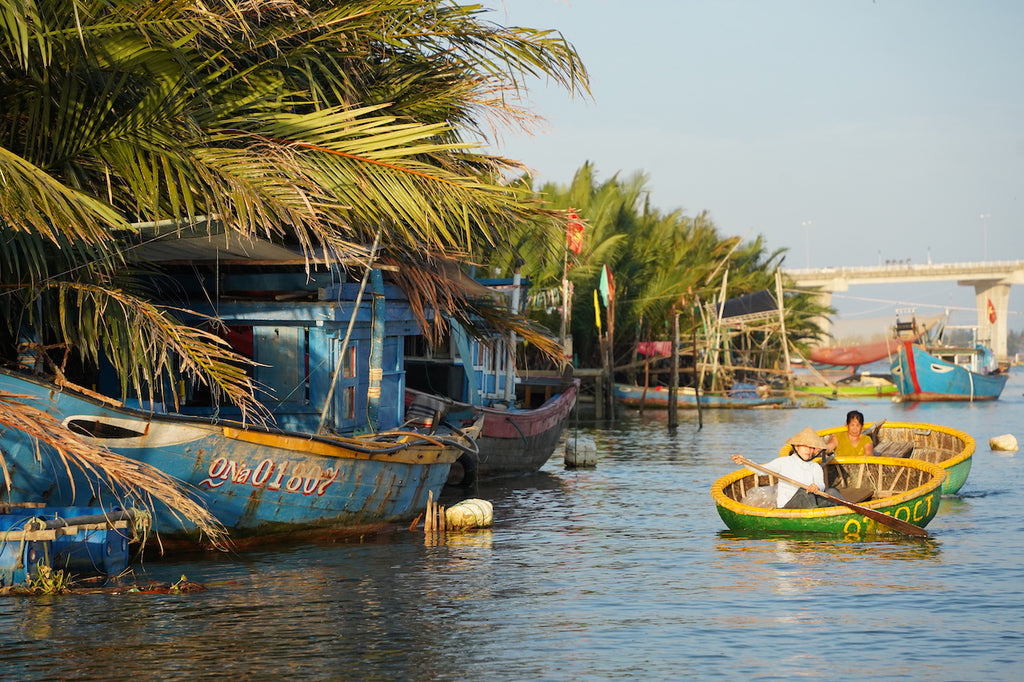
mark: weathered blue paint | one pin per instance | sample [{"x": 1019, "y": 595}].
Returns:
[
  {"x": 261, "y": 482},
  {"x": 257, "y": 482},
  {"x": 921, "y": 376}
]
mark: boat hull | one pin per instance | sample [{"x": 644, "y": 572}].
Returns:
[
  {"x": 512, "y": 442},
  {"x": 950, "y": 448},
  {"x": 860, "y": 391},
  {"x": 686, "y": 398},
  {"x": 916, "y": 502},
  {"x": 853, "y": 356},
  {"x": 516, "y": 442},
  {"x": 922, "y": 377},
  {"x": 79, "y": 541},
  {"x": 260, "y": 484}
]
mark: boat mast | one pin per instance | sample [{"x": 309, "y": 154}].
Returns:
[{"x": 510, "y": 360}]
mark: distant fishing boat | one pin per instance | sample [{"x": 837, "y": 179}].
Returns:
[
  {"x": 948, "y": 373},
  {"x": 858, "y": 386},
  {"x": 905, "y": 489},
  {"x": 853, "y": 355},
  {"x": 740, "y": 396}
]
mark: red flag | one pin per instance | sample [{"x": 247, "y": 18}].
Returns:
[
  {"x": 574, "y": 233},
  {"x": 991, "y": 311}
]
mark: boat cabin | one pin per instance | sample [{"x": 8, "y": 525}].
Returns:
[
  {"x": 324, "y": 357},
  {"x": 473, "y": 368}
]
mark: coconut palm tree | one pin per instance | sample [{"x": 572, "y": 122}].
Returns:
[
  {"x": 316, "y": 124},
  {"x": 313, "y": 124},
  {"x": 662, "y": 263}
]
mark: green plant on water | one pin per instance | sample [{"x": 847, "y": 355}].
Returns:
[
  {"x": 46, "y": 580},
  {"x": 180, "y": 585}
]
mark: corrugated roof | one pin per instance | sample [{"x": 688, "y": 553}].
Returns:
[{"x": 204, "y": 239}]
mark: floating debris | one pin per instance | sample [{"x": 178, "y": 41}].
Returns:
[
  {"x": 56, "y": 581},
  {"x": 1007, "y": 442},
  {"x": 439, "y": 521},
  {"x": 580, "y": 452},
  {"x": 469, "y": 514}
]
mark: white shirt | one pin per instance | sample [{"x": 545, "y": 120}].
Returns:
[{"x": 797, "y": 469}]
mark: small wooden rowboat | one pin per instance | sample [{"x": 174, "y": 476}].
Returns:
[
  {"x": 906, "y": 489},
  {"x": 950, "y": 448}
]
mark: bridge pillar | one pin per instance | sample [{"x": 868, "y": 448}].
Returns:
[
  {"x": 993, "y": 333},
  {"x": 824, "y": 299}
]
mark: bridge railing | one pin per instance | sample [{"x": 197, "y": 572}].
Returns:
[{"x": 891, "y": 268}]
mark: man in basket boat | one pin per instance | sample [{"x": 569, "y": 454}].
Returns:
[{"x": 798, "y": 466}]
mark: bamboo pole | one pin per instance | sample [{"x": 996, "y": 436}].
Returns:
[
  {"x": 785, "y": 337},
  {"x": 673, "y": 391},
  {"x": 696, "y": 384},
  {"x": 647, "y": 378}
]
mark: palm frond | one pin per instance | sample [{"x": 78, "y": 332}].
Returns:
[{"x": 124, "y": 478}]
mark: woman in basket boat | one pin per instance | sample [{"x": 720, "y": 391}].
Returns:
[{"x": 853, "y": 443}]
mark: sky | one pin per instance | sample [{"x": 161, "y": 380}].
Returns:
[{"x": 848, "y": 132}]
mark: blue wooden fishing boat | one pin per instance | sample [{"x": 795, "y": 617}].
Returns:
[
  {"x": 740, "y": 396},
  {"x": 947, "y": 373},
  {"x": 339, "y": 458},
  {"x": 523, "y": 416}
]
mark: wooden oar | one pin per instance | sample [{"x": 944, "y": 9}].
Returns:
[{"x": 885, "y": 519}]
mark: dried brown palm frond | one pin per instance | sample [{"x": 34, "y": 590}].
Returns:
[
  {"x": 105, "y": 470},
  {"x": 437, "y": 282},
  {"x": 148, "y": 348}
]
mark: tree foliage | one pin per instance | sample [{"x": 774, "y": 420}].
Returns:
[
  {"x": 316, "y": 124},
  {"x": 662, "y": 263},
  {"x": 312, "y": 124}
]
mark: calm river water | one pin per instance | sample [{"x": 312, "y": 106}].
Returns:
[{"x": 624, "y": 571}]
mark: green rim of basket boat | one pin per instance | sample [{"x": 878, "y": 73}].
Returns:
[
  {"x": 837, "y": 519},
  {"x": 957, "y": 467}
]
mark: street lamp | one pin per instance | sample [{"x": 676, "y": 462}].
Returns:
[{"x": 807, "y": 240}]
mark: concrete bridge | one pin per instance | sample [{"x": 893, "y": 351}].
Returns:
[{"x": 991, "y": 282}]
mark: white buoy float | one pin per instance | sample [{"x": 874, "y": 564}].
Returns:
[
  {"x": 1005, "y": 442},
  {"x": 580, "y": 452},
  {"x": 471, "y": 513}
]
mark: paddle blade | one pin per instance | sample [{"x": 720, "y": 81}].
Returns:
[{"x": 891, "y": 521}]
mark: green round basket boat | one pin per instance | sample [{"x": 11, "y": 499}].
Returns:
[
  {"x": 906, "y": 489},
  {"x": 950, "y": 448}
]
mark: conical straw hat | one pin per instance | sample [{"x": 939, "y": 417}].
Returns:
[{"x": 808, "y": 437}]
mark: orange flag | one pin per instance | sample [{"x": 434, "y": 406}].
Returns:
[{"x": 991, "y": 311}]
